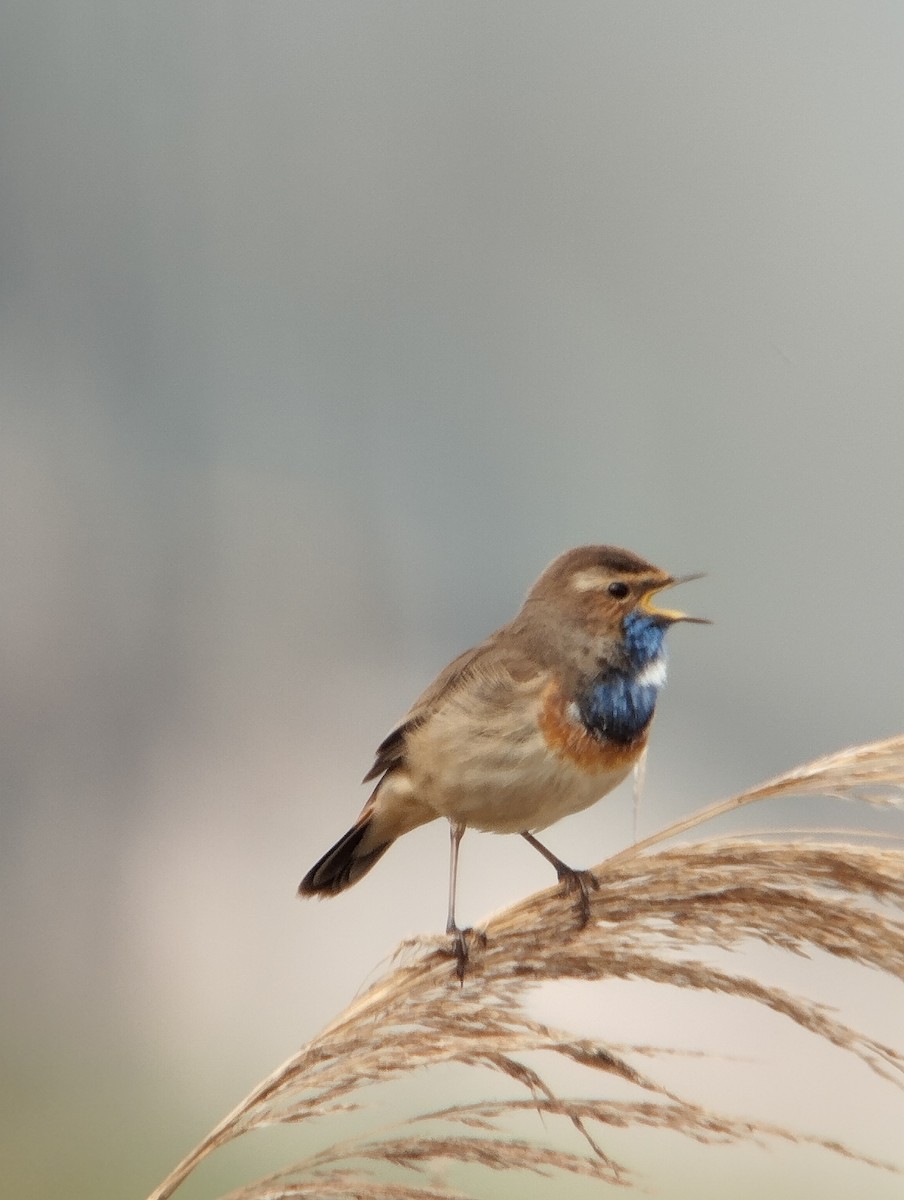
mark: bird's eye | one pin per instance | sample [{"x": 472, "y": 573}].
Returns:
[{"x": 618, "y": 590}]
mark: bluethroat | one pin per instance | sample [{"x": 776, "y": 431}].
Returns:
[{"x": 539, "y": 721}]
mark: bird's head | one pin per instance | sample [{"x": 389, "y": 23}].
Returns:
[{"x": 609, "y": 591}]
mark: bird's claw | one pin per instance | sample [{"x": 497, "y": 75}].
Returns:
[
  {"x": 582, "y": 883},
  {"x": 459, "y": 948}
]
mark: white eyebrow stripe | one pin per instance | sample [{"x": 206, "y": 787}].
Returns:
[{"x": 588, "y": 581}]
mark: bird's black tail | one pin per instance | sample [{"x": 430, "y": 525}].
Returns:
[{"x": 351, "y": 858}]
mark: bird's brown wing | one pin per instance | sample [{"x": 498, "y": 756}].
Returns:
[{"x": 497, "y": 655}]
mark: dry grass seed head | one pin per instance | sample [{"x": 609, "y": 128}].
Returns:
[{"x": 656, "y": 905}]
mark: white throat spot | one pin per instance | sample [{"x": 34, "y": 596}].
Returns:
[{"x": 653, "y": 674}]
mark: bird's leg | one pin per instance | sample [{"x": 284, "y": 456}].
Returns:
[
  {"x": 582, "y": 882},
  {"x": 459, "y": 942}
]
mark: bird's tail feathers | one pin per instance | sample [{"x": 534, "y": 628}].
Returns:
[{"x": 351, "y": 858}]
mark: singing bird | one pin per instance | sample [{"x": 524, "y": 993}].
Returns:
[{"x": 539, "y": 721}]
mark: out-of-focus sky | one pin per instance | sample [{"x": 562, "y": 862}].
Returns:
[{"x": 325, "y": 327}]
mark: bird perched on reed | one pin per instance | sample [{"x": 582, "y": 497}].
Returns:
[{"x": 539, "y": 721}]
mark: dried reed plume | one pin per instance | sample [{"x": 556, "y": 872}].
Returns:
[{"x": 655, "y": 906}]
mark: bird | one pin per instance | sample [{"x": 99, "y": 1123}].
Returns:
[{"x": 539, "y": 721}]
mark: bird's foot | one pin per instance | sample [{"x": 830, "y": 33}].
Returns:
[
  {"x": 582, "y": 883},
  {"x": 459, "y": 949}
]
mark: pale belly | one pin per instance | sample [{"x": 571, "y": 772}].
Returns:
[{"x": 503, "y": 785}]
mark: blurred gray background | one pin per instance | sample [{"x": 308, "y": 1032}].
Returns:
[{"x": 325, "y": 327}]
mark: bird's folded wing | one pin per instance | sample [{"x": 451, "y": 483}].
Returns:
[{"x": 494, "y": 661}]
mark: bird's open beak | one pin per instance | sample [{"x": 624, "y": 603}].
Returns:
[{"x": 670, "y": 614}]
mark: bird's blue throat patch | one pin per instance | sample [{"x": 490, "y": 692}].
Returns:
[
  {"x": 619, "y": 704},
  {"x": 644, "y": 636}
]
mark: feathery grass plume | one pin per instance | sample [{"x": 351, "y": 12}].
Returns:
[{"x": 654, "y": 908}]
